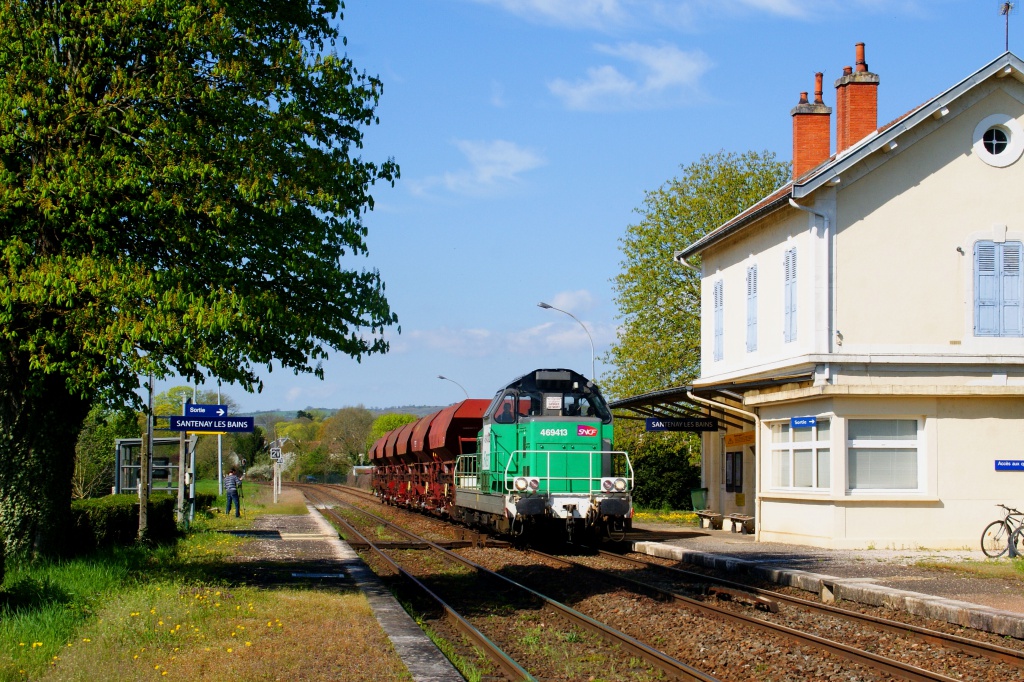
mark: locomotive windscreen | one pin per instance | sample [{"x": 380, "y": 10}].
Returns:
[{"x": 553, "y": 381}]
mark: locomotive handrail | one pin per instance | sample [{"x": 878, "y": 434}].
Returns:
[{"x": 595, "y": 481}]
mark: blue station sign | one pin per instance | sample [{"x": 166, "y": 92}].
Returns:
[
  {"x": 214, "y": 424},
  {"x": 1010, "y": 465},
  {"x": 696, "y": 424},
  {"x": 802, "y": 422},
  {"x": 196, "y": 410}
]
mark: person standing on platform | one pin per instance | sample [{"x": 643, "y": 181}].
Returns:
[{"x": 231, "y": 483}]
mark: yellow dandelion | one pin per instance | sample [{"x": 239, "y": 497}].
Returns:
[
  {"x": 23, "y": 644},
  {"x": 135, "y": 657},
  {"x": 248, "y": 643},
  {"x": 160, "y": 622},
  {"x": 216, "y": 594},
  {"x": 86, "y": 639},
  {"x": 156, "y": 667},
  {"x": 230, "y": 650},
  {"x": 163, "y": 672},
  {"x": 269, "y": 624}
]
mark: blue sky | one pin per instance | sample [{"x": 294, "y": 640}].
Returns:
[{"x": 528, "y": 132}]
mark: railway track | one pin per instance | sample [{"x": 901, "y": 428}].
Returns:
[
  {"x": 396, "y": 541},
  {"x": 814, "y": 627}
]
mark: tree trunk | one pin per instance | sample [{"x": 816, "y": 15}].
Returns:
[{"x": 39, "y": 424}]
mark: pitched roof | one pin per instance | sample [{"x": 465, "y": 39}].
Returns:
[{"x": 1006, "y": 64}]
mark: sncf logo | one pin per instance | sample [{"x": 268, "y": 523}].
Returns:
[{"x": 584, "y": 430}]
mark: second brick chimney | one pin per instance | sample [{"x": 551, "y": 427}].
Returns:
[
  {"x": 812, "y": 141},
  {"x": 856, "y": 103}
]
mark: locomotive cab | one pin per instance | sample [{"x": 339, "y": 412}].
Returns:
[{"x": 545, "y": 455}]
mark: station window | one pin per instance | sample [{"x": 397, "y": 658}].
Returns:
[
  {"x": 882, "y": 454},
  {"x": 802, "y": 456}
]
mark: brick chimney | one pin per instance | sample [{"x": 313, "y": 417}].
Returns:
[
  {"x": 856, "y": 103},
  {"x": 812, "y": 123}
]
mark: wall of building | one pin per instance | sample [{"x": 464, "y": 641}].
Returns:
[
  {"x": 902, "y": 285},
  {"x": 959, "y": 441}
]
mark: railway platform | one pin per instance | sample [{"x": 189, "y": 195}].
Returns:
[
  {"x": 313, "y": 545},
  {"x": 920, "y": 581}
]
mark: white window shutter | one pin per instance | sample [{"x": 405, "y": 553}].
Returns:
[
  {"x": 752, "y": 308},
  {"x": 719, "y": 319}
]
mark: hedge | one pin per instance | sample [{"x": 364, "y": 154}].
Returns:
[{"x": 114, "y": 520}]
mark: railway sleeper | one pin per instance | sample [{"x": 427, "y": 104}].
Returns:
[{"x": 757, "y": 601}]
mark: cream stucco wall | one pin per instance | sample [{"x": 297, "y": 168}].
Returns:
[{"x": 902, "y": 285}]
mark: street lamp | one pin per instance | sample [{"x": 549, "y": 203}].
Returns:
[
  {"x": 456, "y": 383},
  {"x": 548, "y": 306}
]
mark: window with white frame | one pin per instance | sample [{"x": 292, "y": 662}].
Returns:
[
  {"x": 802, "y": 456},
  {"x": 789, "y": 296},
  {"x": 751, "y": 308},
  {"x": 719, "y": 319},
  {"x": 882, "y": 454},
  {"x": 998, "y": 289}
]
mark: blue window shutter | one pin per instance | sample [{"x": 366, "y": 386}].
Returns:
[
  {"x": 789, "y": 297},
  {"x": 751, "y": 308},
  {"x": 1010, "y": 290},
  {"x": 719, "y": 320},
  {"x": 986, "y": 289}
]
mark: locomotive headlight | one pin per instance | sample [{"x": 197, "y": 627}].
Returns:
[
  {"x": 620, "y": 484},
  {"x": 520, "y": 484},
  {"x": 607, "y": 485},
  {"x": 534, "y": 484}
]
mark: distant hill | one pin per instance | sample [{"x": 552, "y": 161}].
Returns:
[{"x": 418, "y": 410}]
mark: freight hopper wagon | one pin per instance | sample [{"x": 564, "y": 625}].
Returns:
[{"x": 541, "y": 459}]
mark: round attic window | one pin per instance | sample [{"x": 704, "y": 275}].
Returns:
[{"x": 998, "y": 140}]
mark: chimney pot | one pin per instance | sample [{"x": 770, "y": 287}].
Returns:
[
  {"x": 818, "y": 88},
  {"x": 812, "y": 125},
  {"x": 856, "y": 103},
  {"x": 861, "y": 64}
]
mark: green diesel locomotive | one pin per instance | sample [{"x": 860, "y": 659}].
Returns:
[{"x": 541, "y": 460}]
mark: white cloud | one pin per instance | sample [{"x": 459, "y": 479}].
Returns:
[
  {"x": 573, "y": 13},
  {"x": 607, "y": 15},
  {"x": 573, "y": 301},
  {"x": 661, "y": 75},
  {"x": 494, "y": 165}
]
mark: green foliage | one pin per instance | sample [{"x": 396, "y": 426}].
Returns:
[
  {"x": 94, "y": 451},
  {"x": 114, "y": 520},
  {"x": 659, "y": 300},
  {"x": 345, "y": 432},
  {"x": 181, "y": 192},
  {"x": 666, "y": 466},
  {"x": 385, "y": 423},
  {"x": 252, "y": 447}
]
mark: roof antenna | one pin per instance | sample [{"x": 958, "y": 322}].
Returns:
[{"x": 1005, "y": 10}]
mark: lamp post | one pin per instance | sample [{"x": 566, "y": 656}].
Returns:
[
  {"x": 548, "y": 306},
  {"x": 456, "y": 383}
]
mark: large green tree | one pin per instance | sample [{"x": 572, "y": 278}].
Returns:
[
  {"x": 658, "y": 299},
  {"x": 181, "y": 191},
  {"x": 94, "y": 451}
]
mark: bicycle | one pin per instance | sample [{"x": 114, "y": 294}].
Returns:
[{"x": 996, "y": 539}]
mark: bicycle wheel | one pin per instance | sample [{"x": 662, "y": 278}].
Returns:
[
  {"x": 995, "y": 539},
  {"x": 1017, "y": 540}
]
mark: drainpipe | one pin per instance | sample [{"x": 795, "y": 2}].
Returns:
[
  {"x": 830, "y": 250},
  {"x": 757, "y": 454}
]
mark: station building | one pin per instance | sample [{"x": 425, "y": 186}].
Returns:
[{"x": 862, "y": 328}]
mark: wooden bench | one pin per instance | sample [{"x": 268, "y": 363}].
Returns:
[
  {"x": 714, "y": 519},
  {"x": 741, "y": 522}
]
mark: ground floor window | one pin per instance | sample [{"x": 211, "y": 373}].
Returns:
[
  {"x": 882, "y": 454},
  {"x": 802, "y": 455}
]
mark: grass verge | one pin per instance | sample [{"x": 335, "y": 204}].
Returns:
[
  {"x": 678, "y": 517},
  {"x": 183, "y": 611},
  {"x": 1002, "y": 569}
]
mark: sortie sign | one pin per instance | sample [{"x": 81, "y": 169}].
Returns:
[{"x": 225, "y": 424}]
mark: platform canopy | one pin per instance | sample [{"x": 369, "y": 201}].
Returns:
[{"x": 675, "y": 402}]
